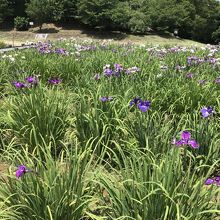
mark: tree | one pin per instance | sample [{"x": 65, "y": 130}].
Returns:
[
  {"x": 216, "y": 35},
  {"x": 131, "y": 15},
  {"x": 96, "y": 12},
  {"x": 5, "y": 10},
  {"x": 120, "y": 15},
  {"x": 45, "y": 10},
  {"x": 70, "y": 10},
  {"x": 207, "y": 21},
  {"x": 19, "y": 8},
  {"x": 172, "y": 14}
]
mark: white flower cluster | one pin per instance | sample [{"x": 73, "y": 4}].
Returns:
[{"x": 12, "y": 58}]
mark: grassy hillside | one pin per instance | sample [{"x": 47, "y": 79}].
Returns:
[{"x": 18, "y": 37}]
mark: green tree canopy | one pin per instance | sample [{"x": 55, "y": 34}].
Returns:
[
  {"x": 194, "y": 19},
  {"x": 5, "y": 10},
  {"x": 45, "y": 10},
  {"x": 70, "y": 10},
  {"x": 96, "y": 12}
]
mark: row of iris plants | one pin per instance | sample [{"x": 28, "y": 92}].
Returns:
[{"x": 97, "y": 130}]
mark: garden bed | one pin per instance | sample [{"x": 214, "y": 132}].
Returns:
[{"x": 99, "y": 130}]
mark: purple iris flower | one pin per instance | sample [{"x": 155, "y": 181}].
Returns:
[
  {"x": 179, "y": 142},
  {"x": 209, "y": 181},
  {"x": 108, "y": 72},
  {"x": 45, "y": 49},
  {"x": 194, "y": 60},
  {"x": 105, "y": 98},
  {"x": 217, "y": 80},
  {"x": 21, "y": 171},
  {"x": 118, "y": 67},
  {"x": 116, "y": 73},
  {"x": 214, "y": 180},
  {"x": 135, "y": 101},
  {"x": 19, "y": 85},
  {"x": 186, "y": 140},
  {"x": 207, "y": 111},
  {"x": 217, "y": 180},
  {"x": 212, "y": 60},
  {"x": 193, "y": 143},
  {"x": 54, "y": 81},
  {"x": 61, "y": 51},
  {"x": 144, "y": 105},
  {"x": 191, "y": 60},
  {"x": 200, "y": 60},
  {"x": 185, "y": 135},
  {"x": 32, "y": 80}
]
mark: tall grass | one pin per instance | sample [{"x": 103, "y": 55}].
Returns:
[
  {"x": 39, "y": 116},
  {"x": 56, "y": 189},
  {"x": 143, "y": 187}
]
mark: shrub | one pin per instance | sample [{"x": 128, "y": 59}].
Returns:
[{"x": 21, "y": 23}]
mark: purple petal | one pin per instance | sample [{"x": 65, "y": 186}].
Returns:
[
  {"x": 144, "y": 105},
  {"x": 54, "y": 81},
  {"x": 20, "y": 171},
  {"x": 143, "y": 108},
  {"x": 19, "y": 85},
  {"x": 108, "y": 72},
  {"x": 210, "y": 110},
  {"x": 193, "y": 144},
  {"x": 135, "y": 101},
  {"x": 32, "y": 79},
  {"x": 185, "y": 135},
  {"x": 180, "y": 142},
  {"x": 209, "y": 181},
  {"x": 103, "y": 99},
  {"x": 217, "y": 178},
  {"x": 205, "y": 112}
]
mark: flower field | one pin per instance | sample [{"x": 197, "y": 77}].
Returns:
[{"x": 97, "y": 130}]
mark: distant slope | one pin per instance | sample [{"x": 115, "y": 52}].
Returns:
[{"x": 18, "y": 37}]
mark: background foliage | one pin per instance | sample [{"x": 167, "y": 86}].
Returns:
[{"x": 194, "y": 19}]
